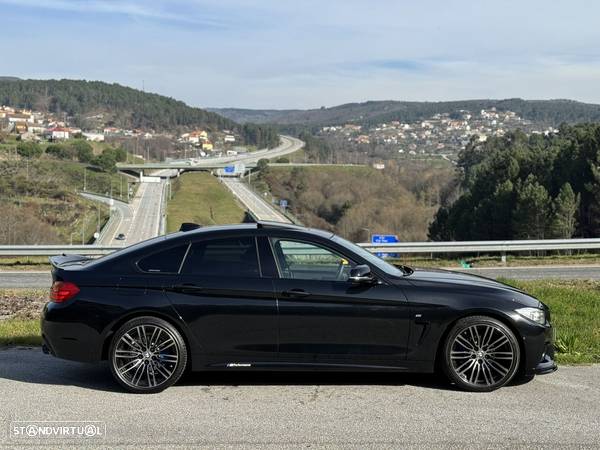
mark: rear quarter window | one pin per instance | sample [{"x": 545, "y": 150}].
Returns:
[{"x": 164, "y": 261}]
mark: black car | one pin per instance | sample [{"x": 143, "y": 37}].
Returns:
[{"x": 267, "y": 296}]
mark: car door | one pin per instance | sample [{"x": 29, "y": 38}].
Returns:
[
  {"x": 228, "y": 306},
  {"x": 325, "y": 319}
]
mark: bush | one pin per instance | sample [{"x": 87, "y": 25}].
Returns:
[
  {"x": 29, "y": 149},
  {"x": 60, "y": 151}
]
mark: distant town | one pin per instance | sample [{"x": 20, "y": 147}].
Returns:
[
  {"x": 442, "y": 134},
  {"x": 36, "y": 126}
]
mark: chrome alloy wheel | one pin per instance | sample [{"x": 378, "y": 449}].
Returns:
[
  {"x": 483, "y": 355},
  {"x": 146, "y": 356}
]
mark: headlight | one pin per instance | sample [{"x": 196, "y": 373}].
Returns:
[{"x": 534, "y": 314}]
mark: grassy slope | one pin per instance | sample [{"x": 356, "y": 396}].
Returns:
[
  {"x": 199, "y": 197},
  {"x": 575, "y": 314},
  {"x": 575, "y": 310},
  {"x": 48, "y": 188}
]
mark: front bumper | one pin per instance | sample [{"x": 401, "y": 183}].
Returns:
[{"x": 546, "y": 365}]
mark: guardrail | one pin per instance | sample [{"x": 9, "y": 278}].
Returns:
[
  {"x": 466, "y": 247},
  {"x": 51, "y": 250},
  {"x": 484, "y": 246}
]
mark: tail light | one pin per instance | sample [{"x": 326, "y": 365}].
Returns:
[{"x": 61, "y": 291}]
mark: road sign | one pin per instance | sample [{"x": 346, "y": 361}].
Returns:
[
  {"x": 283, "y": 203},
  {"x": 384, "y": 239},
  {"x": 229, "y": 169}
]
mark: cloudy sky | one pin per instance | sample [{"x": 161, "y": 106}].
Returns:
[{"x": 310, "y": 53}]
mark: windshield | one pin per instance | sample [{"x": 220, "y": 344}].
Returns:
[{"x": 371, "y": 258}]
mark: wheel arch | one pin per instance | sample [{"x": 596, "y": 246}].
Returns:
[{"x": 145, "y": 313}]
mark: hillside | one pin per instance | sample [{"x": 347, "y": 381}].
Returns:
[
  {"x": 551, "y": 112},
  {"x": 356, "y": 201},
  {"x": 121, "y": 106}
]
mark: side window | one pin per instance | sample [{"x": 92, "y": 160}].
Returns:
[
  {"x": 165, "y": 261},
  {"x": 304, "y": 261},
  {"x": 228, "y": 257}
]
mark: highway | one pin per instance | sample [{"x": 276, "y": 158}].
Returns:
[
  {"x": 141, "y": 219},
  {"x": 257, "y": 205},
  {"x": 121, "y": 218},
  {"x": 300, "y": 410}
]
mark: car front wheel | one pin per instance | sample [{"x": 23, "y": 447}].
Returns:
[
  {"x": 481, "y": 354},
  {"x": 147, "y": 355}
]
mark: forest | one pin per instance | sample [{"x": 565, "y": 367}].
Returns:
[
  {"x": 357, "y": 201},
  {"x": 526, "y": 187},
  {"x": 129, "y": 107}
]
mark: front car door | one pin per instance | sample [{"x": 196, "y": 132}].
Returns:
[
  {"x": 226, "y": 302},
  {"x": 326, "y": 320}
]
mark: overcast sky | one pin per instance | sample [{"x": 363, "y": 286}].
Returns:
[{"x": 310, "y": 53}]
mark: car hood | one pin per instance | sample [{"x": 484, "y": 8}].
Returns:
[{"x": 460, "y": 278}]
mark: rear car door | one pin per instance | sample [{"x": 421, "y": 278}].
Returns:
[
  {"x": 325, "y": 319},
  {"x": 228, "y": 306}
]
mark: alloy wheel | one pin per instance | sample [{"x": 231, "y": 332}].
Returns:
[
  {"x": 146, "y": 356},
  {"x": 483, "y": 355}
]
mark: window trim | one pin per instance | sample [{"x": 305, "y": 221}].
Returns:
[{"x": 272, "y": 242}]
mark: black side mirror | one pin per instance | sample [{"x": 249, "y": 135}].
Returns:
[{"x": 361, "y": 274}]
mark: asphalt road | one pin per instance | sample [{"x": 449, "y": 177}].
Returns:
[
  {"x": 259, "y": 207},
  {"x": 42, "y": 279},
  {"x": 299, "y": 409}
]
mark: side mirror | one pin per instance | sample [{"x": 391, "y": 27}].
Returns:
[{"x": 361, "y": 274}]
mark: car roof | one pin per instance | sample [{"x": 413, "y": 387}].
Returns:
[{"x": 267, "y": 225}]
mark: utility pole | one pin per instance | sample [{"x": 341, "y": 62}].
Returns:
[{"x": 84, "y": 179}]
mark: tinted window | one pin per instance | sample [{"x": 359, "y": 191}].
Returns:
[
  {"x": 304, "y": 261},
  {"x": 223, "y": 257},
  {"x": 166, "y": 261}
]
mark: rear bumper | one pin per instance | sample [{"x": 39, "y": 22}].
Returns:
[{"x": 66, "y": 339}]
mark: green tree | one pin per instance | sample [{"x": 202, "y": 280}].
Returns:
[
  {"x": 532, "y": 210},
  {"x": 28, "y": 149},
  {"x": 262, "y": 164},
  {"x": 106, "y": 161},
  {"x": 565, "y": 209},
  {"x": 83, "y": 150}
]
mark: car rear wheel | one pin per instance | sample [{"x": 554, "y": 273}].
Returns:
[
  {"x": 147, "y": 355},
  {"x": 481, "y": 354}
]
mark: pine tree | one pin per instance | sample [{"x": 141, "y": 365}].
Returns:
[
  {"x": 532, "y": 210},
  {"x": 565, "y": 209}
]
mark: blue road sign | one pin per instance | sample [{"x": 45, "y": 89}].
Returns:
[
  {"x": 283, "y": 203},
  {"x": 384, "y": 238},
  {"x": 229, "y": 169}
]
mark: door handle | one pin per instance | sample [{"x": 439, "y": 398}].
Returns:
[
  {"x": 296, "y": 293},
  {"x": 187, "y": 288}
]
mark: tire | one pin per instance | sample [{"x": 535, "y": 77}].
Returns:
[
  {"x": 481, "y": 354},
  {"x": 147, "y": 355}
]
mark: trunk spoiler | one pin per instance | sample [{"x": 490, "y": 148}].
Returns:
[{"x": 65, "y": 260}]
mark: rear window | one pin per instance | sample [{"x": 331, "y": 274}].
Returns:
[
  {"x": 165, "y": 261},
  {"x": 223, "y": 257}
]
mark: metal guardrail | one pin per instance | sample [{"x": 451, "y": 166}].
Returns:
[
  {"x": 484, "y": 246},
  {"x": 466, "y": 247},
  {"x": 51, "y": 250}
]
